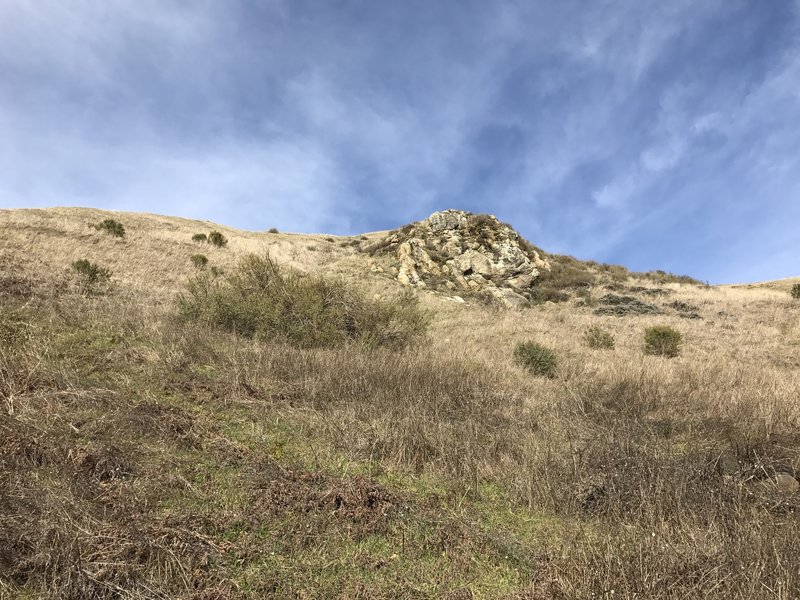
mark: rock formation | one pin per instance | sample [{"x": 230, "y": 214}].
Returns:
[{"x": 458, "y": 250}]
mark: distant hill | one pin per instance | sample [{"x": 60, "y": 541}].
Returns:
[
  {"x": 783, "y": 285},
  {"x": 155, "y": 253}
]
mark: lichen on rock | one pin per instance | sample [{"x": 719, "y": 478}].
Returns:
[{"x": 456, "y": 249}]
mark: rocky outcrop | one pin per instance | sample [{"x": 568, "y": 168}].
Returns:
[{"x": 457, "y": 250}]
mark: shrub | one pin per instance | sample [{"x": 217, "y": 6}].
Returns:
[
  {"x": 91, "y": 274},
  {"x": 273, "y": 230},
  {"x": 662, "y": 340},
  {"x": 536, "y": 358},
  {"x": 660, "y": 276},
  {"x": 262, "y": 300},
  {"x": 566, "y": 273},
  {"x": 111, "y": 227},
  {"x": 598, "y": 338},
  {"x": 199, "y": 237},
  {"x": 796, "y": 291},
  {"x": 216, "y": 238},
  {"x": 199, "y": 260}
]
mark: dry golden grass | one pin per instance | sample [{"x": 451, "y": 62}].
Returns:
[
  {"x": 156, "y": 250},
  {"x": 146, "y": 458}
]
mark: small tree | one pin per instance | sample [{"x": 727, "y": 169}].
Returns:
[
  {"x": 199, "y": 260},
  {"x": 199, "y": 237},
  {"x": 537, "y": 359},
  {"x": 662, "y": 340},
  {"x": 217, "y": 239},
  {"x": 796, "y": 291}
]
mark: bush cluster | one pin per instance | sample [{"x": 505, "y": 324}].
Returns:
[
  {"x": 90, "y": 274},
  {"x": 662, "y": 340},
  {"x": 537, "y": 359},
  {"x": 111, "y": 227},
  {"x": 796, "y": 291},
  {"x": 199, "y": 260},
  {"x": 215, "y": 238},
  {"x": 566, "y": 274},
  {"x": 262, "y": 300}
]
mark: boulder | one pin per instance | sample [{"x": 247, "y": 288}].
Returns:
[{"x": 457, "y": 250}]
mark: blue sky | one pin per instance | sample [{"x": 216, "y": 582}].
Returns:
[{"x": 655, "y": 134}]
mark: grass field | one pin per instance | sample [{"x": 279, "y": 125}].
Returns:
[{"x": 147, "y": 455}]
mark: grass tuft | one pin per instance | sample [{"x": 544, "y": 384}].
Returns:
[{"x": 598, "y": 338}]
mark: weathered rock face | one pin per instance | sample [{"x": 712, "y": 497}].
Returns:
[{"x": 458, "y": 250}]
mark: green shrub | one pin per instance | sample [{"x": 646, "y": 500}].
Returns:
[
  {"x": 598, "y": 338},
  {"x": 199, "y": 260},
  {"x": 536, "y": 358},
  {"x": 111, "y": 227},
  {"x": 662, "y": 340},
  {"x": 796, "y": 291},
  {"x": 199, "y": 237},
  {"x": 262, "y": 300},
  {"x": 273, "y": 230},
  {"x": 90, "y": 274},
  {"x": 216, "y": 238}
]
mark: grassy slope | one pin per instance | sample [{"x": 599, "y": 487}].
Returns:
[
  {"x": 783, "y": 285},
  {"x": 144, "y": 457}
]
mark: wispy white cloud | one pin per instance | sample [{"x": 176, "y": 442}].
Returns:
[{"x": 579, "y": 122}]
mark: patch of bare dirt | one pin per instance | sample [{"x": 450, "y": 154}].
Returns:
[
  {"x": 104, "y": 464},
  {"x": 358, "y": 500}
]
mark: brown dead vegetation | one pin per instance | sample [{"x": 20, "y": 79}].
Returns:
[{"x": 142, "y": 457}]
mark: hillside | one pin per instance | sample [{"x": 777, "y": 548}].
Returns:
[
  {"x": 783, "y": 285},
  {"x": 172, "y": 433}
]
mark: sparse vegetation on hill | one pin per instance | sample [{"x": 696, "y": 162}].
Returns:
[
  {"x": 662, "y": 340},
  {"x": 91, "y": 275},
  {"x": 262, "y": 300},
  {"x": 598, "y": 338},
  {"x": 536, "y": 358},
  {"x": 199, "y": 260},
  {"x": 148, "y": 456},
  {"x": 111, "y": 227},
  {"x": 565, "y": 277},
  {"x": 216, "y": 238}
]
